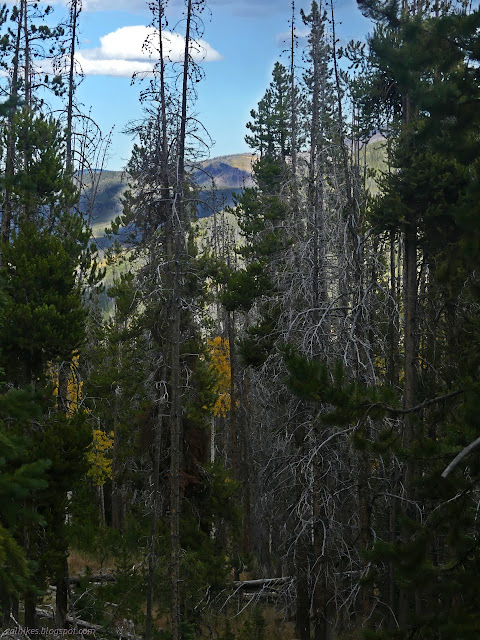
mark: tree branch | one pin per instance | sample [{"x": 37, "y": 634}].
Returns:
[
  {"x": 460, "y": 457},
  {"x": 420, "y": 406}
]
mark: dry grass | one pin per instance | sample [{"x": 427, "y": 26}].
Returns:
[
  {"x": 278, "y": 627},
  {"x": 79, "y": 562}
]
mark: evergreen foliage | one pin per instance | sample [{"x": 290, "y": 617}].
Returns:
[
  {"x": 266, "y": 418},
  {"x": 18, "y": 480}
]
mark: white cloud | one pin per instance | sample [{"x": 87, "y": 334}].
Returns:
[
  {"x": 112, "y": 67},
  {"x": 122, "y": 52}
]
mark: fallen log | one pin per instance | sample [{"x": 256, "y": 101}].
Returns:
[
  {"x": 261, "y": 582},
  {"x": 261, "y": 595},
  {"x": 82, "y": 624}
]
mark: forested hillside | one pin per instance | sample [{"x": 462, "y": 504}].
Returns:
[
  {"x": 273, "y": 432},
  {"x": 217, "y": 180}
]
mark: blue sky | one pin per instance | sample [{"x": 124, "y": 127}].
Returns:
[{"x": 242, "y": 41}]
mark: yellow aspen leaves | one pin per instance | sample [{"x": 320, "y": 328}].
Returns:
[
  {"x": 99, "y": 454},
  {"x": 99, "y": 457},
  {"x": 74, "y": 385},
  {"x": 74, "y": 389},
  {"x": 220, "y": 362}
]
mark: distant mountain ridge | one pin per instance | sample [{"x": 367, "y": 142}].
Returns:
[
  {"x": 229, "y": 174},
  {"x": 223, "y": 176},
  {"x": 107, "y": 203}
]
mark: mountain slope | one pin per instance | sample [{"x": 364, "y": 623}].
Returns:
[
  {"x": 229, "y": 174},
  {"x": 106, "y": 200},
  {"x": 234, "y": 171}
]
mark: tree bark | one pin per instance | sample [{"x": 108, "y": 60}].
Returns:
[
  {"x": 62, "y": 577},
  {"x": 27, "y": 77},
  {"x": 7, "y": 212},
  {"x": 176, "y": 405},
  {"x": 74, "y": 13},
  {"x": 62, "y": 584},
  {"x": 410, "y": 362},
  {"x": 154, "y": 516},
  {"x": 230, "y": 321},
  {"x": 166, "y": 214},
  {"x": 30, "y": 603},
  {"x": 117, "y": 507}
]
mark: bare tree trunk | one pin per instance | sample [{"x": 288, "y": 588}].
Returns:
[
  {"x": 316, "y": 164},
  {"x": 5, "y": 607},
  {"x": 62, "y": 583},
  {"x": 409, "y": 395},
  {"x": 75, "y": 9},
  {"x": 62, "y": 577},
  {"x": 101, "y": 498},
  {"x": 154, "y": 517},
  {"x": 343, "y": 147},
  {"x": 246, "y": 464},
  {"x": 7, "y": 213},
  {"x": 302, "y": 549},
  {"x": 116, "y": 488},
  {"x": 176, "y": 406},
  {"x": 27, "y": 78},
  {"x": 365, "y": 529},
  {"x": 392, "y": 378},
  {"x": 30, "y": 604},
  {"x": 410, "y": 294},
  {"x": 293, "y": 122},
  {"x": 410, "y": 301},
  {"x": 230, "y": 321},
  {"x": 319, "y": 595},
  {"x": 62, "y": 394},
  {"x": 176, "y": 430}
]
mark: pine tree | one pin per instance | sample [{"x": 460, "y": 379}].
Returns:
[
  {"x": 19, "y": 480},
  {"x": 44, "y": 322},
  {"x": 420, "y": 199}
]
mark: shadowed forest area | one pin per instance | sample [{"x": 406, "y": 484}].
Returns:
[{"x": 249, "y": 409}]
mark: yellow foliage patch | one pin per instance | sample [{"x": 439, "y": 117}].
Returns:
[
  {"x": 99, "y": 454},
  {"x": 74, "y": 385},
  {"x": 99, "y": 457},
  {"x": 220, "y": 362}
]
